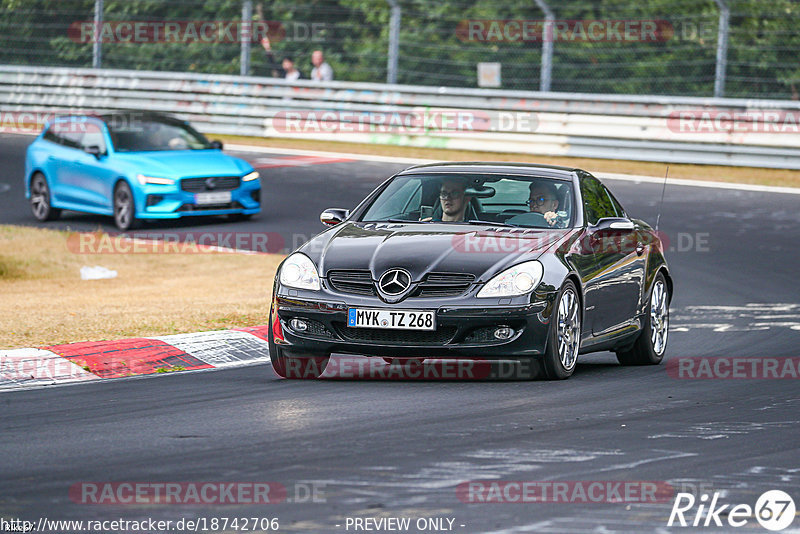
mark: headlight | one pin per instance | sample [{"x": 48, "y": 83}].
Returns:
[
  {"x": 517, "y": 280},
  {"x": 299, "y": 271},
  {"x": 154, "y": 180},
  {"x": 252, "y": 176}
]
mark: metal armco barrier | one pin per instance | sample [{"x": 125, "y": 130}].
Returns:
[{"x": 739, "y": 132}]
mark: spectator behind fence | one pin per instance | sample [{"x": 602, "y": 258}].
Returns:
[
  {"x": 273, "y": 67},
  {"x": 322, "y": 72},
  {"x": 291, "y": 71}
]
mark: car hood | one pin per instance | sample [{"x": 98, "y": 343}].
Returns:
[
  {"x": 183, "y": 163},
  {"x": 423, "y": 248}
]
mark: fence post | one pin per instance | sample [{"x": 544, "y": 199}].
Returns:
[
  {"x": 246, "y": 36},
  {"x": 394, "y": 41},
  {"x": 97, "y": 45},
  {"x": 547, "y": 46},
  {"x": 722, "y": 48}
]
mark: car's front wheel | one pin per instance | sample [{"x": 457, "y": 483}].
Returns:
[
  {"x": 287, "y": 365},
  {"x": 41, "y": 205},
  {"x": 650, "y": 346},
  {"x": 564, "y": 339},
  {"x": 124, "y": 207}
]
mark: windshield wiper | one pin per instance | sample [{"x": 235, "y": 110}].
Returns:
[
  {"x": 402, "y": 221},
  {"x": 490, "y": 223}
]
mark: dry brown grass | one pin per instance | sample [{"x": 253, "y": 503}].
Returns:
[
  {"x": 744, "y": 175},
  {"x": 43, "y": 300}
]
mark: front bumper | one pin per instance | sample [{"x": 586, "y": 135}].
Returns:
[
  {"x": 464, "y": 327},
  {"x": 170, "y": 202}
]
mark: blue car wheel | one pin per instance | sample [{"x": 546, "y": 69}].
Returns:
[
  {"x": 124, "y": 207},
  {"x": 41, "y": 204}
]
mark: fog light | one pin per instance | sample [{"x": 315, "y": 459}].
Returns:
[
  {"x": 503, "y": 332},
  {"x": 298, "y": 325}
]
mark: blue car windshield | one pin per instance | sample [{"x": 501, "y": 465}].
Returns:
[
  {"x": 507, "y": 200},
  {"x": 145, "y": 135}
]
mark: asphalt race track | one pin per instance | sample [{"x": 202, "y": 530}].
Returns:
[{"x": 388, "y": 448}]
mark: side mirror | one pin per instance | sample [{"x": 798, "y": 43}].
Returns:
[
  {"x": 612, "y": 223},
  {"x": 216, "y": 144},
  {"x": 333, "y": 216},
  {"x": 94, "y": 150}
]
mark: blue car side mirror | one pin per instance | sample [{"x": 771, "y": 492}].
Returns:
[{"x": 94, "y": 151}]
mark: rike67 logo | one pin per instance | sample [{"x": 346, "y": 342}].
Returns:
[{"x": 774, "y": 510}]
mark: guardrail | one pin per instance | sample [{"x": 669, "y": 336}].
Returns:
[{"x": 740, "y": 132}]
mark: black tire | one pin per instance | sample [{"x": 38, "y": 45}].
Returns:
[
  {"x": 41, "y": 200},
  {"x": 124, "y": 207},
  {"x": 650, "y": 346},
  {"x": 564, "y": 335},
  {"x": 287, "y": 365}
]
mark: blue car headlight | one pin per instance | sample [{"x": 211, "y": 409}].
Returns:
[
  {"x": 298, "y": 271},
  {"x": 250, "y": 177},
  {"x": 142, "y": 179},
  {"x": 517, "y": 280}
]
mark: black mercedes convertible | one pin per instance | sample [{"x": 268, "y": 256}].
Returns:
[{"x": 486, "y": 261}]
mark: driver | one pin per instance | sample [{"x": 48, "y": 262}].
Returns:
[{"x": 543, "y": 199}]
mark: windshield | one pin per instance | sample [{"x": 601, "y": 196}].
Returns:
[
  {"x": 151, "y": 134},
  {"x": 525, "y": 201}
]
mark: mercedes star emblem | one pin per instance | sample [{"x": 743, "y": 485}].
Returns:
[{"x": 394, "y": 281}]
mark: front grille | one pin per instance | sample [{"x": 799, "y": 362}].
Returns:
[
  {"x": 358, "y": 282},
  {"x": 210, "y": 207},
  {"x": 444, "y": 285},
  {"x": 199, "y": 185},
  {"x": 440, "y": 336}
]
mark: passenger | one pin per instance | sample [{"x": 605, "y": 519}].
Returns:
[{"x": 454, "y": 201}]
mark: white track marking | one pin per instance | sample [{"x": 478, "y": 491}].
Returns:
[
  {"x": 223, "y": 348},
  {"x": 36, "y": 367},
  {"x": 602, "y": 175},
  {"x": 750, "y": 317}
]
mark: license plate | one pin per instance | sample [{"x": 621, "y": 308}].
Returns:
[
  {"x": 217, "y": 197},
  {"x": 395, "y": 319}
]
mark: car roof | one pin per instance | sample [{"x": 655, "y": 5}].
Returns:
[
  {"x": 486, "y": 167},
  {"x": 138, "y": 115}
]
